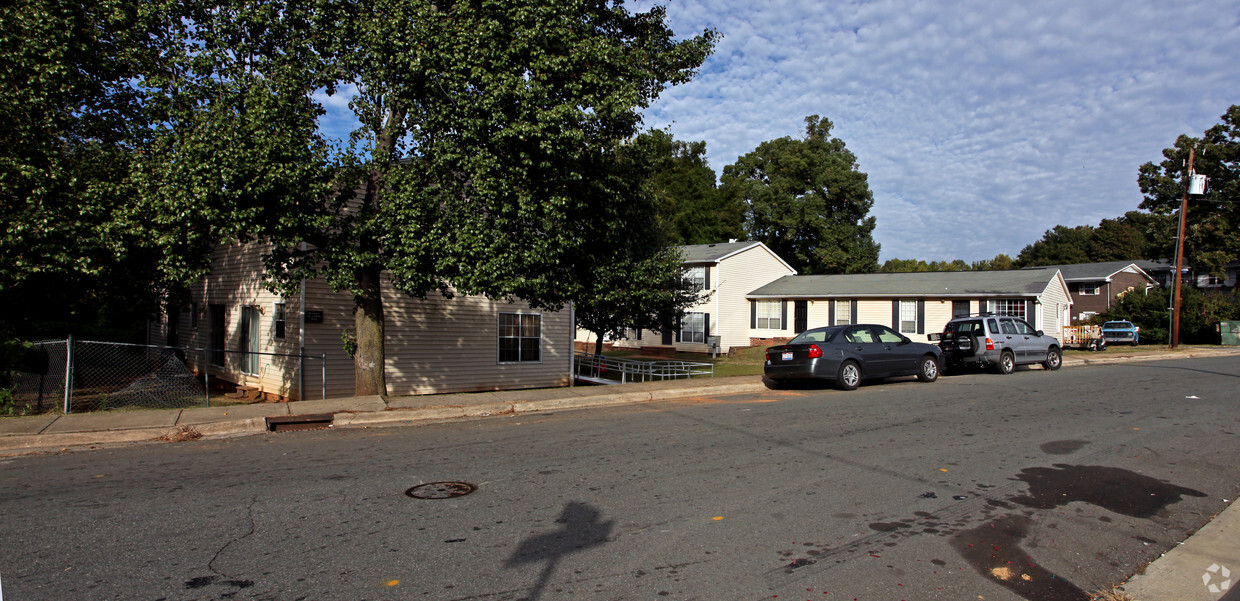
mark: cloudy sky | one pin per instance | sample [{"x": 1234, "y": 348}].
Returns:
[{"x": 981, "y": 124}]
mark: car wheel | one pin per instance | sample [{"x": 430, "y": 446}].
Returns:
[
  {"x": 1007, "y": 363},
  {"x": 928, "y": 371},
  {"x": 849, "y": 377},
  {"x": 774, "y": 384},
  {"x": 1054, "y": 358},
  {"x": 1134, "y": 343}
]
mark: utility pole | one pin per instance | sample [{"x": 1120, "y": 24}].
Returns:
[{"x": 1179, "y": 254}]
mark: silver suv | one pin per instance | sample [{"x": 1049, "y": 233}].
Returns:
[{"x": 1002, "y": 342}]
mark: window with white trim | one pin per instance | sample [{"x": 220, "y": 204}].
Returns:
[
  {"x": 520, "y": 337},
  {"x": 1011, "y": 307},
  {"x": 278, "y": 321},
  {"x": 693, "y": 327},
  {"x": 908, "y": 317},
  {"x": 1088, "y": 290},
  {"x": 697, "y": 276},
  {"x": 769, "y": 315},
  {"x": 843, "y": 313}
]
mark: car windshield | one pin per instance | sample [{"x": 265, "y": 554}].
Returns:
[
  {"x": 824, "y": 335},
  {"x": 1116, "y": 325}
]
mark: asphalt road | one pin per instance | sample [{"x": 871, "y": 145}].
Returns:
[{"x": 1038, "y": 485}]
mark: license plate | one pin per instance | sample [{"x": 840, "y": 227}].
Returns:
[{"x": 787, "y": 356}]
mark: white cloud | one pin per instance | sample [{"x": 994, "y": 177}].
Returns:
[{"x": 1021, "y": 117}]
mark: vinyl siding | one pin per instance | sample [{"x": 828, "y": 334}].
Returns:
[
  {"x": 739, "y": 275},
  {"x": 433, "y": 345},
  {"x": 1054, "y": 304}
]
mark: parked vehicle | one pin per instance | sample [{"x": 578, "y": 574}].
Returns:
[
  {"x": 1121, "y": 332},
  {"x": 849, "y": 354},
  {"x": 997, "y": 341}
]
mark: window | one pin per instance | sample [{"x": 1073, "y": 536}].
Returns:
[
  {"x": 1088, "y": 290},
  {"x": 693, "y": 328},
  {"x": 887, "y": 336},
  {"x": 217, "y": 315},
  {"x": 1009, "y": 327},
  {"x": 1011, "y": 307},
  {"x": 769, "y": 314},
  {"x": 697, "y": 275},
  {"x": 843, "y": 313},
  {"x": 908, "y": 317},
  {"x": 193, "y": 315},
  {"x": 250, "y": 343},
  {"x": 1023, "y": 327},
  {"x": 520, "y": 338},
  {"x": 860, "y": 335},
  {"x": 277, "y": 321}
]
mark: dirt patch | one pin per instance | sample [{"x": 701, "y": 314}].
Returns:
[{"x": 182, "y": 434}]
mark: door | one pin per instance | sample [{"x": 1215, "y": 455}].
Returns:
[
  {"x": 249, "y": 340},
  {"x": 800, "y": 316},
  {"x": 960, "y": 308},
  {"x": 861, "y": 341},
  {"x": 896, "y": 355},
  {"x": 667, "y": 337}
]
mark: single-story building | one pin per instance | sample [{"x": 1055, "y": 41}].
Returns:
[
  {"x": 433, "y": 345},
  {"x": 1095, "y": 286},
  {"x": 728, "y": 271},
  {"x": 914, "y": 304}
]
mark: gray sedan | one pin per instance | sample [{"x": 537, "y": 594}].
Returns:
[{"x": 848, "y": 354}]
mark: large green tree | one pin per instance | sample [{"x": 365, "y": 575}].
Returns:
[
  {"x": 690, "y": 208},
  {"x": 1213, "y": 220},
  {"x": 807, "y": 200},
  {"x": 73, "y": 118}
]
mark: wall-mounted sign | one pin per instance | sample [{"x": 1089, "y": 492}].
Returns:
[{"x": 314, "y": 317}]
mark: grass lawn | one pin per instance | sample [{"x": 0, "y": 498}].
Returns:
[{"x": 746, "y": 362}]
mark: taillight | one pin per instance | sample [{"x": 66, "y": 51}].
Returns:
[
  {"x": 990, "y": 344},
  {"x": 768, "y": 356},
  {"x": 814, "y": 351}
]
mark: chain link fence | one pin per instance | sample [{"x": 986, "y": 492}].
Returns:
[{"x": 112, "y": 375}]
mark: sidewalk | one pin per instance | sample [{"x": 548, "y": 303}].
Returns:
[{"x": 1183, "y": 574}]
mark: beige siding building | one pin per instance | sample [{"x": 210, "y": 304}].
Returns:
[
  {"x": 728, "y": 271},
  {"x": 283, "y": 346},
  {"x": 914, "y": 304}
]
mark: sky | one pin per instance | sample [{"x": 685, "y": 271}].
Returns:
[{"x": 980, "y": 124}]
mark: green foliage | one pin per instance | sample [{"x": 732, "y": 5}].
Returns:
[
  {"x": 691, "y": 209},
  {"x": 1213, "y": 220},
  {"x": 807, "y": 201},
  {"x": 635, "y": 279},
  {"x": 1199, "y": 313},
  {"x": 1135, "y": 235}
]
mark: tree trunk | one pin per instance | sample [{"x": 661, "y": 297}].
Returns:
[
  {"x": 598, "y": 343},
  {"x": 368, "y": 364}
]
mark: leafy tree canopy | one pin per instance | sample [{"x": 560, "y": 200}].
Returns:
[
  {"x": 691, "y": 209},
  {"x": 807, "y": 200},
  {"x": 1213, "y": 220}
]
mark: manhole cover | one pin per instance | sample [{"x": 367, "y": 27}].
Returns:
[{"x": 441, "y": 490}]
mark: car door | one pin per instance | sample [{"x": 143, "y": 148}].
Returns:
[
  {"x": 1011, "y": 338},
  {"x": 1032, "y": 345},
  {"x": 897, "y": 357},
  {"x": 861, "y": 343}
]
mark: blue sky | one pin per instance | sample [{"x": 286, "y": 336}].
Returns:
[{"x": 981, "y": 124}]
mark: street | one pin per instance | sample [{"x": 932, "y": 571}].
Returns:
[{"x": 1039, "y": 485}]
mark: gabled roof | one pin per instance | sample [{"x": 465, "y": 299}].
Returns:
[
  {"x": 714, "y": 253},
  {"x": 1017, "y": 282},
  {"x": 1092, "y": 272}
]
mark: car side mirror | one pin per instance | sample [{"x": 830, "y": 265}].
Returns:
[{"x": 1040, "y": 333}]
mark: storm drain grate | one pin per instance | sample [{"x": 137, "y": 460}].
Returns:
[
  {"x": 441, "y": 490},
  {"x": 299, "y": 422}
]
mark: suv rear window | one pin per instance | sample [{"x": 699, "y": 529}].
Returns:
[{"x": 965, "y": 327}]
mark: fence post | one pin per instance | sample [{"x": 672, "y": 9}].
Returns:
[
  {"x": 68, "y": 371},
  {"x": 206, "y": 375},
  {"x": 323, "y": 380}
]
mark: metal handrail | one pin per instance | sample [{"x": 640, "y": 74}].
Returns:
[{"x": 601, "y": 367}]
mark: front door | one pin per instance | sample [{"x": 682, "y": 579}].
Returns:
[
  {"x": 249, "y": 340},
  {"x": 800, "y": 316},
  {"x": 667, "y": 337}
]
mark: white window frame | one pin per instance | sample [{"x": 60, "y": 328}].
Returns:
[
  {"x": 1010, "y": 307},
  {"x": 843, "y": 312},
  {"x": 908, "y": 316},
  {"x": 1089, "y": 289},
  {"x": 697, "y": 275},
  {"x": 693, "y": 328},
  {"x": 279, "y": 320},
  {"x": 769, "y": 315},
  {"x": 518, "y": 332}
]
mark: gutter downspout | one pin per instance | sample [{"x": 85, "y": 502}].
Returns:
[{"x": 301, "y": 338}]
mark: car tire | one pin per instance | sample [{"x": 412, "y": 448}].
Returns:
[
  {"x": 1006, "y": 364},
  {"x": 774, "y": 384},
  {"x": 928, "y": 369},
  {"x": 1054, "y": 359},
  {"x": 1134, "y": 343},
  {"x": 849, "y": 376}
]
